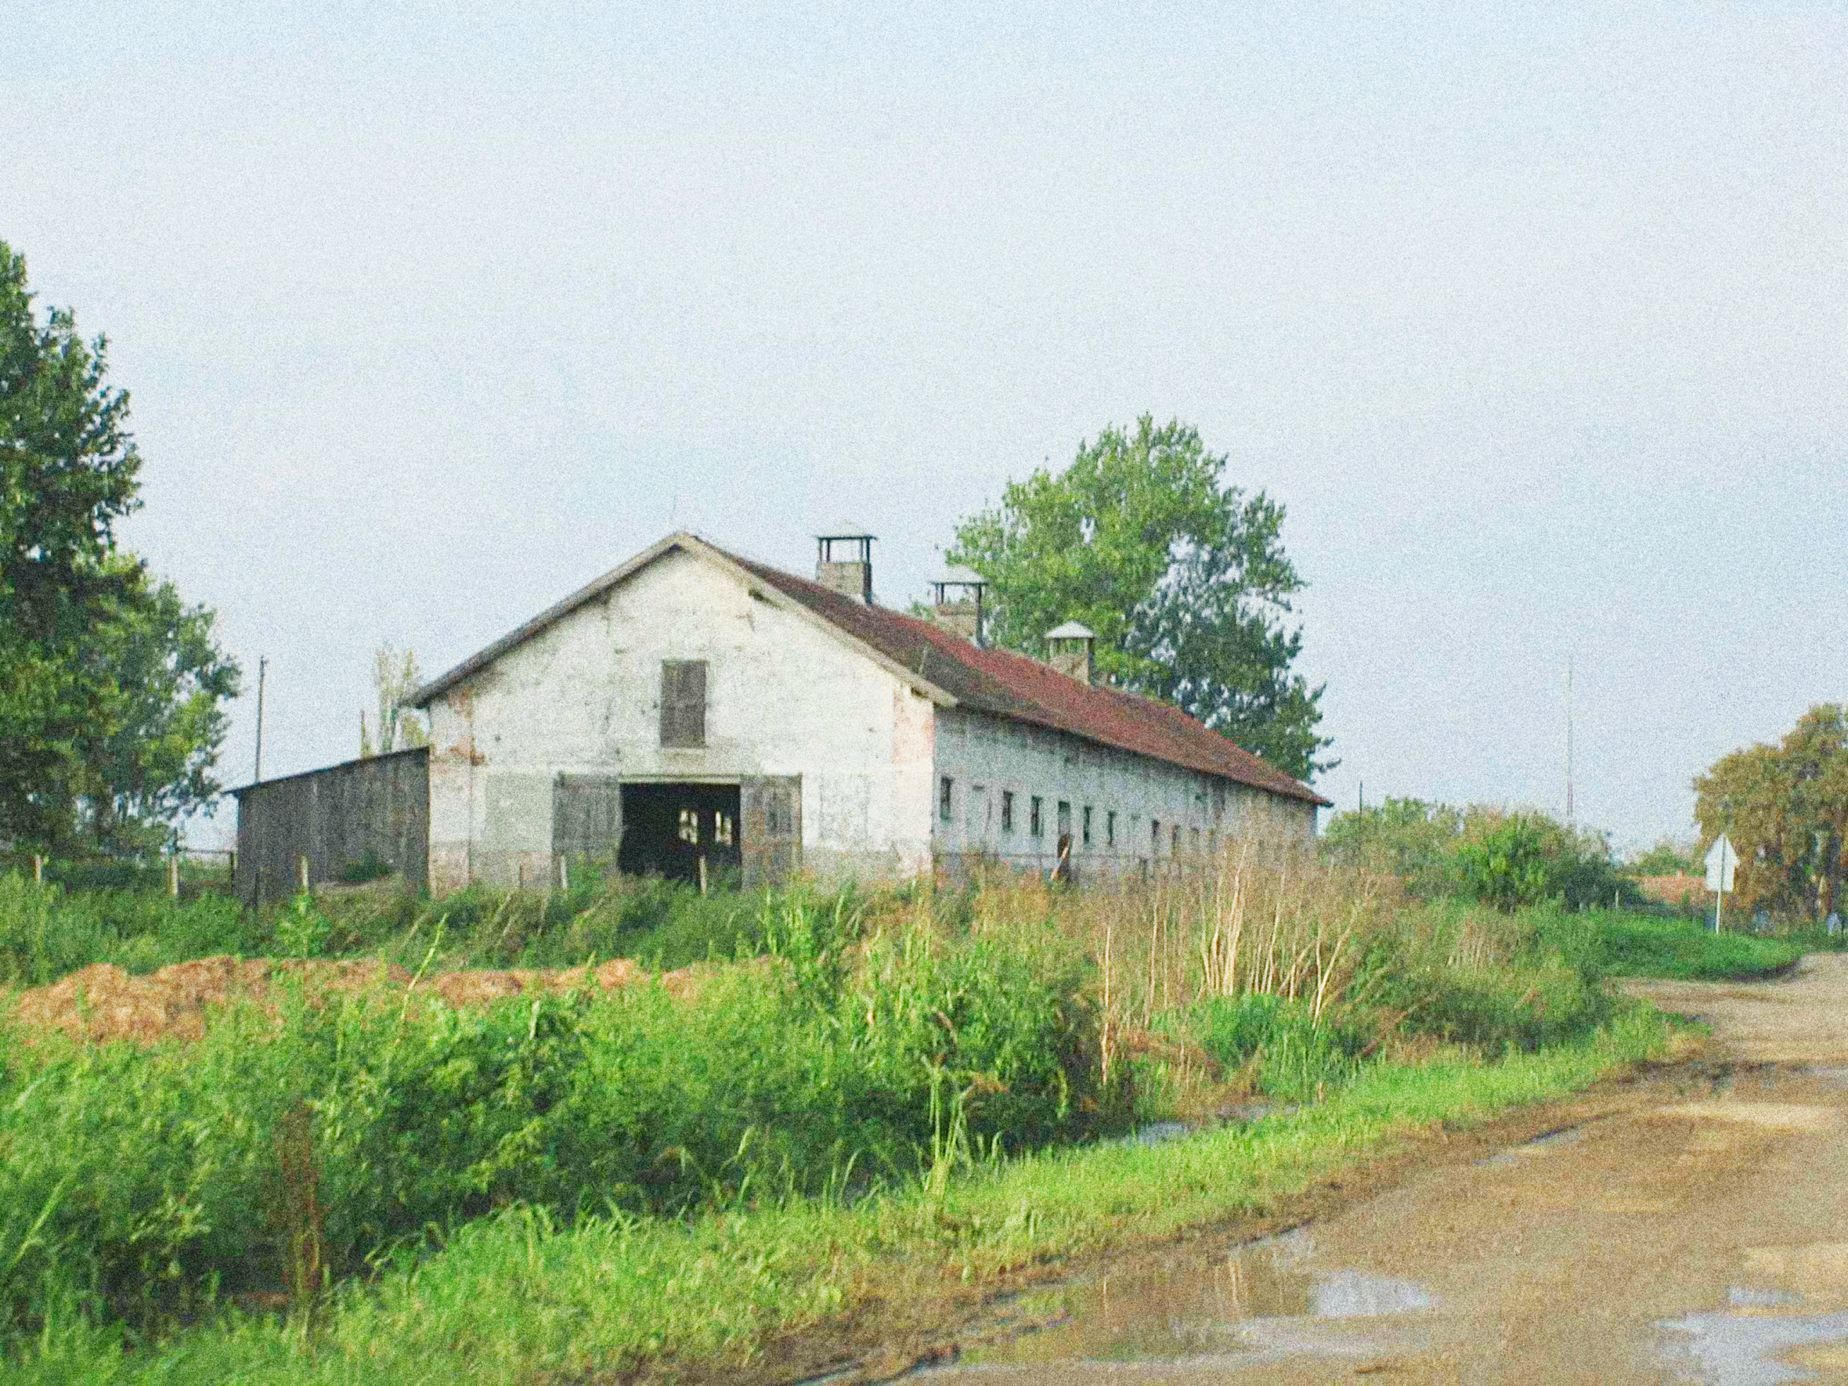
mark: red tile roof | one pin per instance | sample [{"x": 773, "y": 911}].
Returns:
[
  {"x": 1010, "y": 685},
  {"x": 997, "y": 682}
]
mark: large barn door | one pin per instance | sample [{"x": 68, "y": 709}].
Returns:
[
  {"x": 587, "y": 819},
  {"x": 771, "y": 807}
]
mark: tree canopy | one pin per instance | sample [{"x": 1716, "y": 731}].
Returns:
[
  {"x": 1182, "y": 576},
  {"x": 1785, "y": 807},
  {"x": 111, "y": 687}
]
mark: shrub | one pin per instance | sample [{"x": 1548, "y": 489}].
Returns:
[{"x": 46, "y": 931}]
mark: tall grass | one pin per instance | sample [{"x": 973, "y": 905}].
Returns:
[
  {"x": 314, "y": 1135},
  {"x": 48, "y": 931},
  {"x": 518, "y": 1297},
  {"x": 852, "y": 1046}
]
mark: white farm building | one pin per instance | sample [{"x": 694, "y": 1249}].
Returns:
[{"x": 693, "y": 711}]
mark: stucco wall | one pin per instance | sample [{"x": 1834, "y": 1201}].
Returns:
[
  {"x": 784, "y": 697},
  {"x": 985, "y": 757},
  {"x": 335, "y": 818}
]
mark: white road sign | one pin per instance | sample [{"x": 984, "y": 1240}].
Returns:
[{"x": 1721, "y": 859}]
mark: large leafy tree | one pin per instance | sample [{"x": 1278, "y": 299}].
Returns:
[
  {"x": 1785, "y": 807},
  {"x": 1182, "y": 576},
  {"x": 111, "y": 688}
]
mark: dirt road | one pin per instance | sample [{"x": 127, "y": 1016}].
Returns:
[{"x": 1696, "y": 1231}]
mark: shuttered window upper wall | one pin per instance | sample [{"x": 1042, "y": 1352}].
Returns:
[{"x": 683, "y": 702}]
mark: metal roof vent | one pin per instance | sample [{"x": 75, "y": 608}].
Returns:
[
  {"x": 1070, "y": 649},
  {"x": 844, "y": 562},
  {"x": 956, "y": 602}
]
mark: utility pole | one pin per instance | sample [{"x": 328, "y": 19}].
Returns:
[
  {"x": 1569, "y": 814},
  {"x": 262, "y": 672}
]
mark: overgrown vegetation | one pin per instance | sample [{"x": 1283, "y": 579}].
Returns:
[
  {"x": 516, "y": 1296},
  {"x": 1506, "y": 859},
  {"x": 845, "y": 1071},
  {"x": 147, "y": 1183},
  {"x": 49, "y": 931}
]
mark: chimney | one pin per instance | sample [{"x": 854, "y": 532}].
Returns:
[
  {"x": 956, "y": 603},
  {"x": 1069, "y": 648},
  {"x": 844, "y": 562}
]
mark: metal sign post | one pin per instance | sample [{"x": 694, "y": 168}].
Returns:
[{"x": 1722, "y": 859}]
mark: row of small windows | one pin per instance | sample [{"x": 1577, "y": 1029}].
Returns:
[{"x": 1036, "y": 820}]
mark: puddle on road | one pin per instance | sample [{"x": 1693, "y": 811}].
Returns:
[
  {"x": 1743, "y": 1348},
  {"x": 1261, "y": 1303},
  {"x": 1749, "y": 1297},
  {"x": 1539, "y": 1145},
  {"x": 1242, "y": 1114}
]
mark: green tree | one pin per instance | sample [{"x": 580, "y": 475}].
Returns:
[
  {"x": 395, "y": 676},
  {"x": 1182, "y": 576},
  {"x": 111, "y": 689},
  {"x": 1785, "y": 807},
  {"x": 1409, "y": 838},
  {"x": 1666, "y": 858}
]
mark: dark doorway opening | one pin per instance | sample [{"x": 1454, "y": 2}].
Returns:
[{"x": 667, "y": 829}]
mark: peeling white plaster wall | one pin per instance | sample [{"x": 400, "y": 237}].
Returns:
[
  {"x": 784, "y": 697},
  {"x": 985, "y": 757}
]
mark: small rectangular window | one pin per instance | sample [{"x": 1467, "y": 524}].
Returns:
[
  {"x": 1087, "y": 825},
  {"x": 1110, "y": 827},
  {"x": 945, "y": 798},
  {"x": 689, "y": 826},
  {"x": 683, "y": 702},
  {"x": 1065, "y": 820},
  {"x": 1007, "y": 810},
  {"x": 1154, "y": 837},
  {"x": 1174, "y": 841},
  {"x": 1035, "y": 825},
  {"x": 1193, "y": 841}
]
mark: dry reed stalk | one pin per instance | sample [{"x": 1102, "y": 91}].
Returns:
[{"x": 1104, "y": 1024}]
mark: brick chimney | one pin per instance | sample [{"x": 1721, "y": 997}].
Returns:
[
  {"x": 956, "y": 603},
  {"x": 844, "y": 563},
  {"x": 1069, "y": 649}
]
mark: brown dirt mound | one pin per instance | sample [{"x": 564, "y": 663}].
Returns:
[{"x": 102, "y": 1002}]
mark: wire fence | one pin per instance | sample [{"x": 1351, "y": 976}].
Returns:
[{"x": 188, "y": 872}]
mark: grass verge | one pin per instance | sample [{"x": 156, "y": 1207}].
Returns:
[
  {"x": 1618, "y": 943},
  {"x": 513, "y": 1297}
]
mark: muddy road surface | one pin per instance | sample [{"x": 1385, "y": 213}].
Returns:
[{"x": 1696, "y": 1229}]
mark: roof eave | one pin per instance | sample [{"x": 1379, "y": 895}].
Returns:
[{"x": 693, "y": 544}]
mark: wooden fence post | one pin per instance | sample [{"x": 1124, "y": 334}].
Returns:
[
  {"x": 173, "y": 875},
  {"x": 38, "y": 869},
  {"x": 301, "y": 864}
]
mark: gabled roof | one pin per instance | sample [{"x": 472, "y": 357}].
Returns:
[{"x": 950, "y": 671}]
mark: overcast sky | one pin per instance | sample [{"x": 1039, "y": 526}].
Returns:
[{"x": 1534, "y": 317}]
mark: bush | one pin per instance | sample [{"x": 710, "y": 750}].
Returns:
[{"x": 46, "y": 931}]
